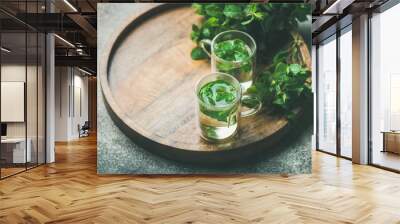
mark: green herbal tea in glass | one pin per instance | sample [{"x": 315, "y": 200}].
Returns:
[
  {"x": 236, "y": 60},
  {"x": 219, "y": 100},
  {"x": 234, "y": 52}
]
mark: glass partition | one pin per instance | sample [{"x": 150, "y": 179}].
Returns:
[
  {"x": 327, "y": 95},
  {"x": 346, "y": 92},
  {"x": 385, "y": 89},
  {"x": 23, "y": 89},
  {"x": 31, "y": 100},
  {"x": 14, "y": 153},
  {"x": 41, "y": 97}
]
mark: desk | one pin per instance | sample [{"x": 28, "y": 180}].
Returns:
[
  {"x": 13, "y": 150},
  {"x": 391, "y": 141}
]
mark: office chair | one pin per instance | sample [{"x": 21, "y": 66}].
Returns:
[{"x": 84, "y": 130}]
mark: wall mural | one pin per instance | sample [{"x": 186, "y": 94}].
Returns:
[{"x": 204, "y": 88}]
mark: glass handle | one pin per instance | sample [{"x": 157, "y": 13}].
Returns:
[
  {"x": 250, "y": 105},
  {"x": 203, "y": 44}
]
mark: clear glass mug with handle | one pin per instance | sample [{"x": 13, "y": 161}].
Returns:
[
  {"x": 234, "y": 52},
  {"x": 218, "y": 97}
]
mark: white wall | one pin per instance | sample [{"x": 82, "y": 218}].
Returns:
[
  {"x": 71, "y": 94},
  {"x": 81, "y": 102},
  {"x": 62, "y": 81},
  {"x": 12, "y": 73}
]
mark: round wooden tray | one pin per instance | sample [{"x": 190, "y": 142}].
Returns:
[{"x": 148, "y": 80}]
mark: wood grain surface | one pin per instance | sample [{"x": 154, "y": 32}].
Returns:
[
  {"x": 70, "y": 191},
  {"x": 148, "y": 80}
]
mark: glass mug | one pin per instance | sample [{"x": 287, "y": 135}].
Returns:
[
  {"x": 218, "y": 108},
  {"x": 243, "y": 70}
]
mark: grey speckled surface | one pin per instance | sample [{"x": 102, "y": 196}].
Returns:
[{"x": 118, "y": 154}]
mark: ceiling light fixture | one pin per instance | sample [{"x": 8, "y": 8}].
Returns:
[
  {"x": 70, "y": 5},
  {"x": 64, "y": 40},
  {"x": 328, "y": 10},
  {"x": 80, "y": 51},
  {"x": 84, "y": 71},
  {"x": 5, "y": 50},
  {"x": 337, "y": 7}
]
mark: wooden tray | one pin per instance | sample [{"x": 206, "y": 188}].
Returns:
[{"x": 148, "y": 80}]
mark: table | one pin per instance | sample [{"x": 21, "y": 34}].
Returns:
[
  {"x": 391, "y": 141},
  {"x": 16, "y": 153}
]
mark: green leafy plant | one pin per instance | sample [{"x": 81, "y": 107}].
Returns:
[
  {"x": 284, "y": 83},
  {"x": 284, "y": 87},
  {"x": 270, "y": 24}
]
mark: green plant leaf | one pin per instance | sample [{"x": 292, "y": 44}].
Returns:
[
  {"x": 195, "y": 34},
  {"x": 280, "y": 68},
  {"x": 232, "y": 50},
  {"x": 250, "y": 9},
  {"x": 212, "y": 22},
  {"x": 259, "y": 15},
  {"x": 206, "y": 32},
  {"x": 213, "y": 10},
  {"x": 198, "y": 8},
  {"x": 294, "y": 68},
  {"x": 233, "y": 11},
  {"x": 198, "y": 54},
  {"x": 248, "y": 21}
]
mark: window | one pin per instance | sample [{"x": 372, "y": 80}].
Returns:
[
  {"x": 385, "y": 89},
  {"x": 346, "y": 92},
  {"x": 327, "y": 95}
]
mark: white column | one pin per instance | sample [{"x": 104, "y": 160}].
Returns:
[
  {"x": 360, "y": 90},
  {"x": 50, "y": 94}
]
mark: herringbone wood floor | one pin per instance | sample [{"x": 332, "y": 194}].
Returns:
[{"x": 70, "y": 191}]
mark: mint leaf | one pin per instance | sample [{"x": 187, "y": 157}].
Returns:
[
  {"x": 212, "y": 22},
  {"x": 198, "y": 8},
  {"x": 213, "y": 10},
  {"x": 198, "y": 54},
  {"x": 233, "y": 11},
  {"x": 248, "y": 21},
  {"x": 232, "y": 50},
  {"x": 280, "y": 68},
  {"x": 294, "y": 68}
]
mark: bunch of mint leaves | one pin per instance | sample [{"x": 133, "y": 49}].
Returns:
[
  {"x": 284, "y": 87},
  {"x": 284, "y": 83},
  {"x": 268, "y": 23}
]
